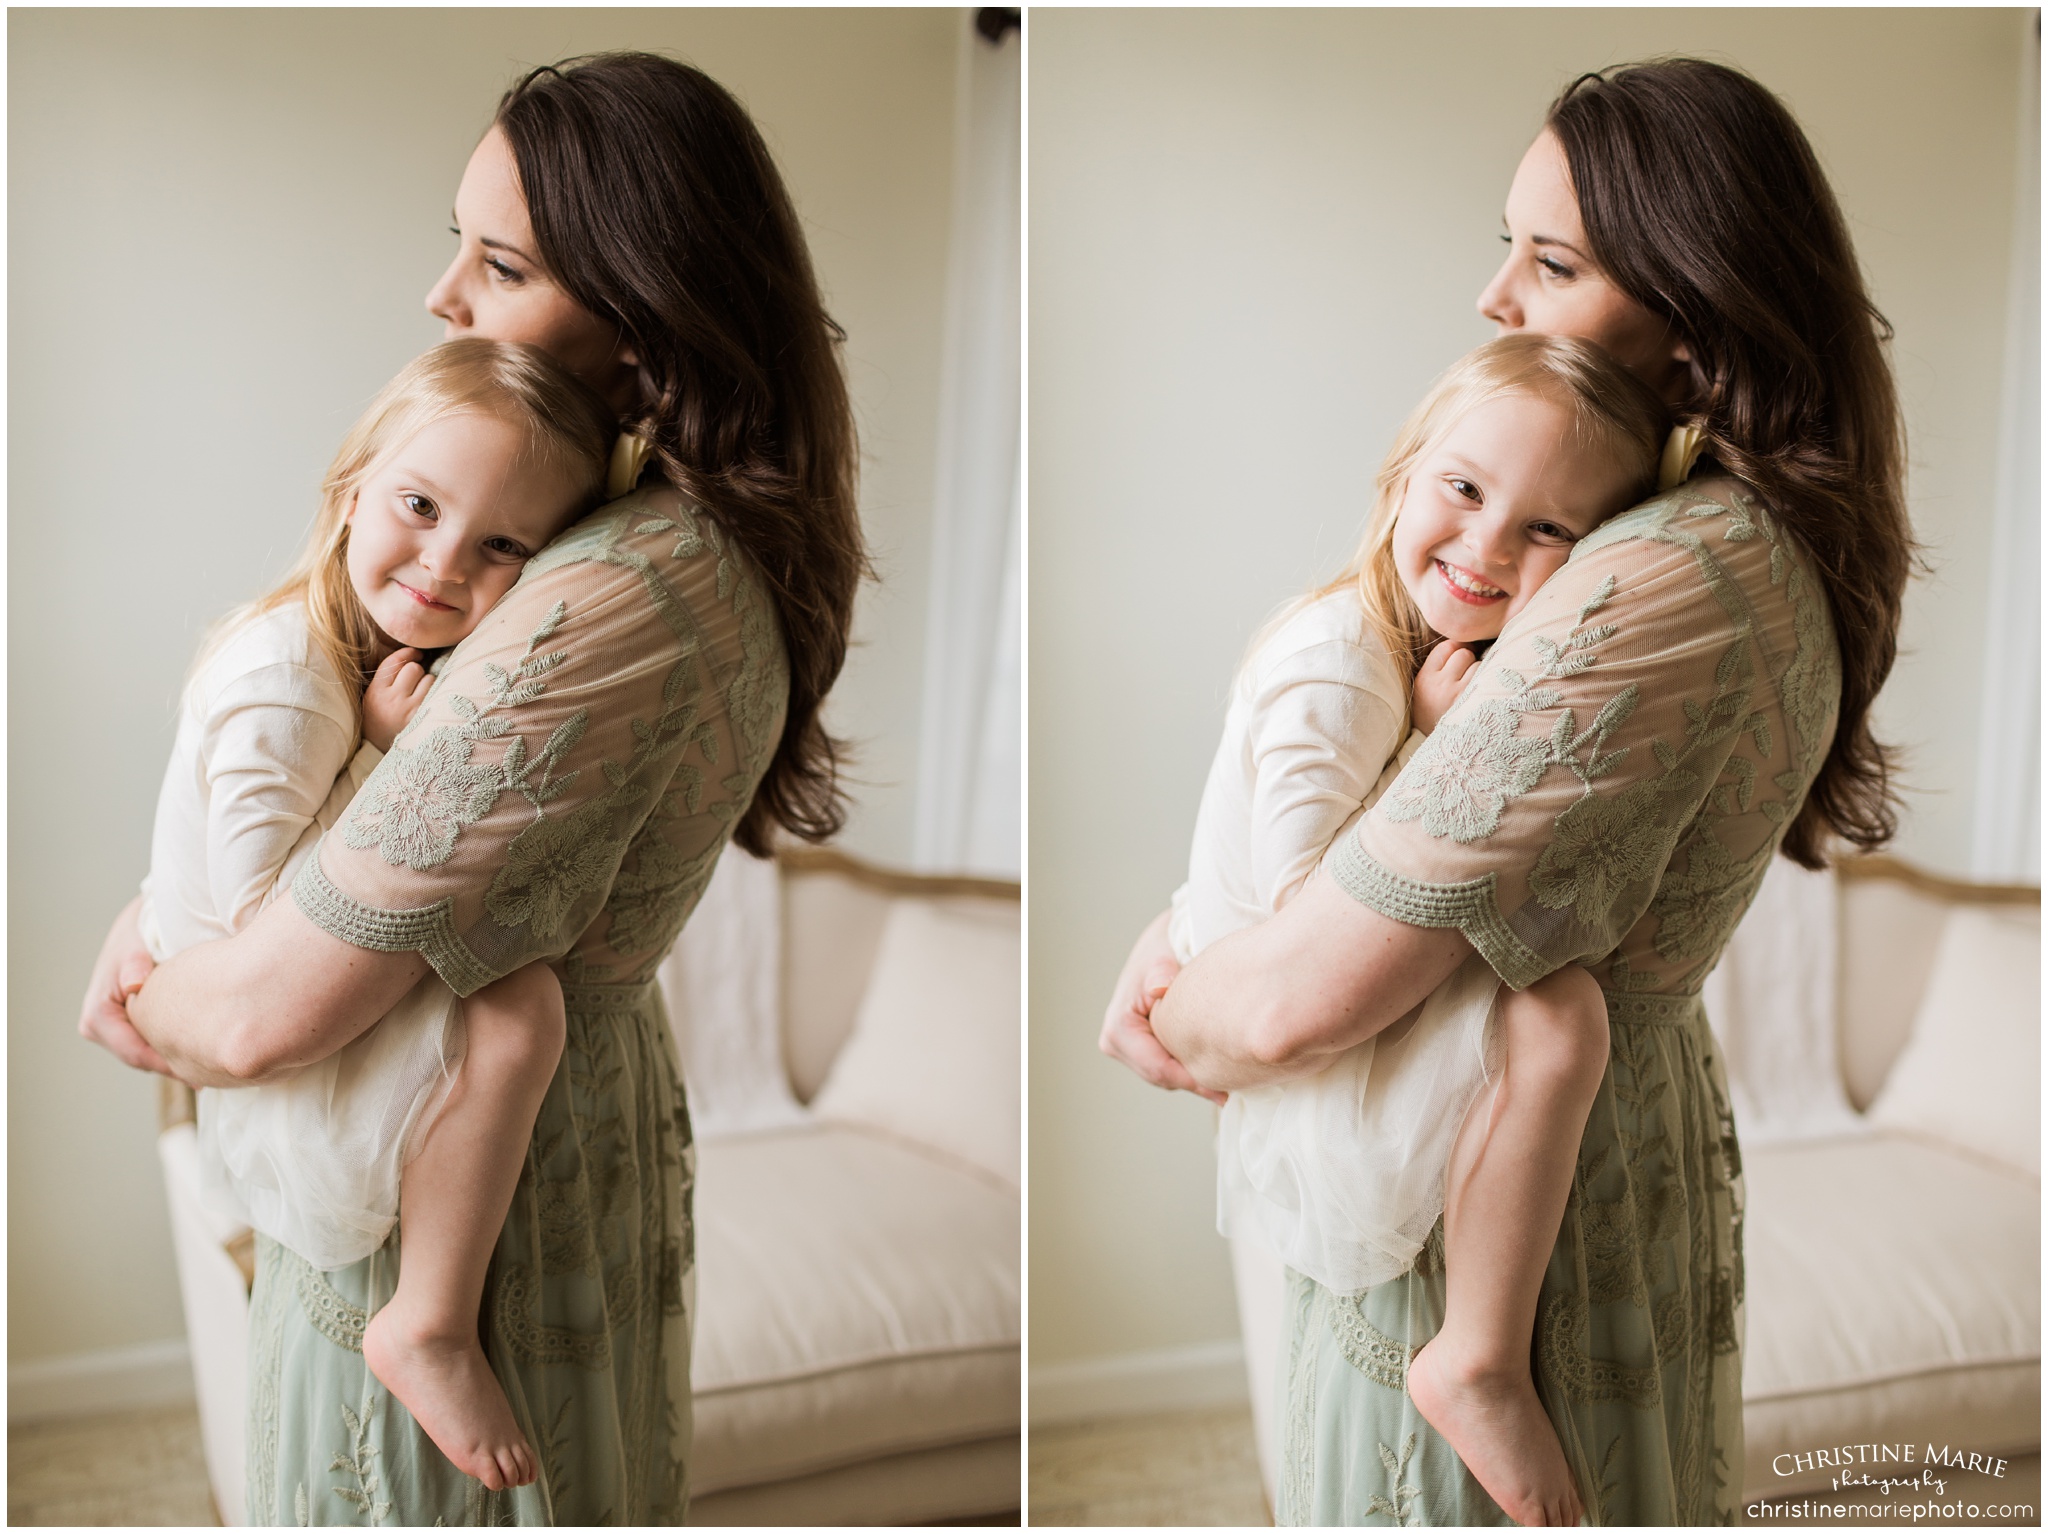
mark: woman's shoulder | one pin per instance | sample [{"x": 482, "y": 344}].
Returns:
[{"x": 1714, "y": 528}]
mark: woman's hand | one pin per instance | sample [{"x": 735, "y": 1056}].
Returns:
[
  {"x": 1127, "y": 1025},
  {"x": 398, "y": 688},
  {"x": 117, "y": 974}
]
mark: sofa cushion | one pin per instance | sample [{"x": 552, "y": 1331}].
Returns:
[
  {"x": 1893, "y": 1293},
  {"x": 854, "y": 1298},
  {"x": 934, "y": 1055},
  {"x": 1970, "y": 1075},
  {"x": 723, "y": 985}
]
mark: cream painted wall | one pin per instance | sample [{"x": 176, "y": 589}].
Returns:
[
  {"x": 221, "y": 227},
  {"x": 1255, "y": 237}
]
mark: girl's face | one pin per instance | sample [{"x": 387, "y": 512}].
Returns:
[
  {"x": 1550, "y": 285},
  {"x": 441, "y": 526},
  {"x": 1491, "y": 511},
  {"x": 496, "y": 287}
]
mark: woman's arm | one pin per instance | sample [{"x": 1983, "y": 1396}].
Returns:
[
  {"x": 1279, "y": 1000},
  {"x": 276, "y": 996}
]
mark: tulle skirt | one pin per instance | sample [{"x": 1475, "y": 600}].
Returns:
[
  {"x": 313, "y": 1161},
  {"x": 1341, "y": 1174}
]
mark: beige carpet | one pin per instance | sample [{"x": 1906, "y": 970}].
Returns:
[
  {"x": 138, "y": 1467},
  {"x": 1188, "y": 1468}
]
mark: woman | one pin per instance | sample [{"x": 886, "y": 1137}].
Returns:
[
  {"x": 1687, "y": 697},
  {"x": 649, "y": 690}
]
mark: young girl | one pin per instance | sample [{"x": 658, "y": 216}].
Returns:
[
  {"x": 465, "y": 465},
  {"x": 1519, "y": 451}
]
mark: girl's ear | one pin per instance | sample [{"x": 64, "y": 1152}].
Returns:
[{"x": 348, "y": 517}]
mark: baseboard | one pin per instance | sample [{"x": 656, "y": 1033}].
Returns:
[
  {"x": 1131, "y": 1384},
  {"x": 116, "y": 1379}
]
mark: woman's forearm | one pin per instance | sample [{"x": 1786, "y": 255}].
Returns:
[
  {"x": 277, "y": 996},
  {"x": 1282, "y": 999}
]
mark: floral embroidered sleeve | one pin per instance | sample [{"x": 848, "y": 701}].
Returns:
[
  {"x": 577, "y": 766},
  {"x": 1648, "y": 722}
]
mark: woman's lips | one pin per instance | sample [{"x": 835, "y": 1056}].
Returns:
[
  {"x": 1467, "y": 587},
  {"x": 422, "y": 598}
]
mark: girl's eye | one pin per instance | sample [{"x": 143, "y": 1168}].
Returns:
[
  {"x": 506, "y": 547},
  {"x": 419, "y": 506},
  {"x": 1465, "y": 488},
  {"x": 1550, "y": 532}
]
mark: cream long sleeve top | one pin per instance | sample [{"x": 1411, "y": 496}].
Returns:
[
  {"x": 266, "y": 759},
  {"x": 1312, "y": 736}
]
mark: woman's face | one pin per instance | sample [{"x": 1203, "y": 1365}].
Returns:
[
  {"x": 1550, "y": 285},
  {"x": 1492, "y": 508},
  {"x": 497, "y": 288}
]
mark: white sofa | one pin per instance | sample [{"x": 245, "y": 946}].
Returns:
[
  {"x": 856, "y": 1356},
  {"x": 1893, "y": 1268}
]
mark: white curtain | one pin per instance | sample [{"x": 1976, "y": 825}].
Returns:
[
  {"x": 2007, "y": 840},
  {"x": 970, "y": 758}
]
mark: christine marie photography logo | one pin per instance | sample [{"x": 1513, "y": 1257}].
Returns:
[
  {"x": 1886, "y": 1467},
  {"x": 1873, "y": 1472}
]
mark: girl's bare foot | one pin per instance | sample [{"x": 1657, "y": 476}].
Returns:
[
  {"x": 1501, "y": 1432},
  {"x": 448, "y": 1386}
]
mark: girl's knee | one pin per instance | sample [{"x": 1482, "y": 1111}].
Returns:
[
  {"x": 519, "y": 1020},
  {"x": 1562, "y": 1019}
]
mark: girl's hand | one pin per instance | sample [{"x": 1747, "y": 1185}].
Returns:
[
  {"x": 1127, "y": 1025},
  {"x": 1438, "y": 682},
  {"x": 398, "y": 688},
  {"x": 117, "y": 974}
]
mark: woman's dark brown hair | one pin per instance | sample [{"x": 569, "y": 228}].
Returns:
[
  {"x": 656, "y": 206},
  {"x": 1705, "y": 204}
]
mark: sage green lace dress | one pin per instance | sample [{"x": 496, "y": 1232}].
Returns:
[
  {"x": 1610, "y": 791},
  {"x": 563, "y": 794}
]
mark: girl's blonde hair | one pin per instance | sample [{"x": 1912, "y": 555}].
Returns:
[
  {"x": 1608, "y": 407},
  {"x": 567, "y": 427}
]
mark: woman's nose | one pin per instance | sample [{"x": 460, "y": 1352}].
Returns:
[
  {"x": 445, "y": 301},
  {"x": 1497, "y": 300}
]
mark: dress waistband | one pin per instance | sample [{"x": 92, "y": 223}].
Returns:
[
  {"x": 580, "y": 997},
  {"x": 1653, "y": 1010}
]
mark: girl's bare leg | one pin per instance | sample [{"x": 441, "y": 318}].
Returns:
[
  {"x": 424, "y": 1344},
  {"x": 1510, "y": 1175}
]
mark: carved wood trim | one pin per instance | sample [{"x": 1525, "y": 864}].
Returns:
[
  {"x": 890, "y": 881},
  {"x": 1878, "y": 865}
]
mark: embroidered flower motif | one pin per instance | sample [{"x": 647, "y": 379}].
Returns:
[
  {"x": 1599, "y": 847},
  {"x": 1698, "y": 907},
  {"x": 650, "y": 898},
  {"x": 412, "y": 808},
  {"x": 549, "y": 867},
  {"x": 1464, "y": 775}
]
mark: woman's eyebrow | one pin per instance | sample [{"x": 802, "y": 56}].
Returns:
[
  {"x": 490, "y": 244},
  {"x": 1551, "y": 239}
]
